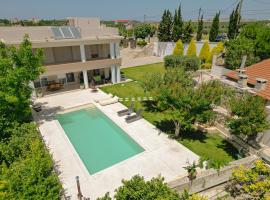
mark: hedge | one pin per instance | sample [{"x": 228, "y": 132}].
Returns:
[{"x": 190, "y": 63}]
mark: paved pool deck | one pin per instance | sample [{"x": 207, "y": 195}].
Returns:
[{"x": 162, "y": 155}]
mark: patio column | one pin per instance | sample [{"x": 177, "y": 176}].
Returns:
[
  {"x": 112, "y": 50},
  {"x": 117, "y": 50},
  {"x": 85, "y": 79},
  {"x": 82, "y": 50},
  {"x": 118, "y": 74},
  {"x": 113, "y": 77},
  {"x": 34, "y": 93}
]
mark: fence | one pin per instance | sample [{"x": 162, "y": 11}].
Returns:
[
  {"x": 163, "y": 49},
  {"x": 210, "y": 178}
]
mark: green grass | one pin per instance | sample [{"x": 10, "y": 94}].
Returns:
[
  {"x": 141, "y": 72},
  {"x": 211, "y": 146}
]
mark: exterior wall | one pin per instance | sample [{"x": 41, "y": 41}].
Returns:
[
  {"x": 76, "y": 54},
  {"x": 162, "y": 49},
  {"x": 48, "y": 56},
  {"x": 63, "y": 54},
  {"x": 84, "y": 22},
  {"x": 219, "y": 71},
  {"x": 210, "y": 178}
]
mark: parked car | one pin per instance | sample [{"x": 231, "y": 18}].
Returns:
[{"x": 221, "y": 37}]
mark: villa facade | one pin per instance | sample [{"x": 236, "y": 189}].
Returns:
[{"x": 77, "y": 55}]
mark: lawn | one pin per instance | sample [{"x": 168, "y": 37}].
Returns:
[
  {"x": 211, "y": 146},
  {"x": 141, "y": 72}
]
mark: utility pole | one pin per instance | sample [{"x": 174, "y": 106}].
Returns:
[{"x": 144, "y": 18}]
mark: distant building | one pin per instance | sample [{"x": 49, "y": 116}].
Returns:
[{"x": 122, "y": 21}]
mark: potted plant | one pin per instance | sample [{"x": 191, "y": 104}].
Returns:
[
  {"x": 192, "y": 171},
  {"x": 39, "y": 92},
  {"x": 81, "y": 86}
]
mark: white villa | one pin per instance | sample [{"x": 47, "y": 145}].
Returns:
[{"x": 82, "y": 52}]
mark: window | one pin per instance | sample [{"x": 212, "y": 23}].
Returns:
[{"x": 70, "y": 77}]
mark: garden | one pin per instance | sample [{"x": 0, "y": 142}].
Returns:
[{"x": 208, "y": 146}]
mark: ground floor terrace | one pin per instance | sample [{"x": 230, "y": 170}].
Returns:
[
  {"x": 56, "y": 82},
  {"x": 160, "y": 155}
]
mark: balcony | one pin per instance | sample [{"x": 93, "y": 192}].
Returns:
[{"x": 80, "y": 66}]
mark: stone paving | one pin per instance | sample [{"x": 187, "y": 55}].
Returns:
[{"x": 161, "y": 156}]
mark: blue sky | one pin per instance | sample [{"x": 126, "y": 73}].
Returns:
[{"x": 127, "y": 9}]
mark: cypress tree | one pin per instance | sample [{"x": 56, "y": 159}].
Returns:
[
  {"x": 176, "y": 28},
  {"x": 165, "y": 27},
  {"x": 188, "y": 31},
  {"x": 214, "y": 28},
  {"x": 200, "y": 29},
  {"x": 161, "y": 28},
  {"x": 231, "y": 26},
  {"x": 234, "y": 23},
  {"x": 181, "y": 23}
]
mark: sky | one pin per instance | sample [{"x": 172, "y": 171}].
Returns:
[{"x": 128, "y": 9}]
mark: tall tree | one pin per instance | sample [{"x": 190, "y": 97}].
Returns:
[
  {"x": 234, "y": 23},
  {"x": 188, "y": 31},
  {"x": 231, "y": 26},
  {"x": 200, "y": 28},
  {"x": 177, "y": 29},
  {"x": 214, "y": 28},
  {"x": 249, "y": 116},
  {"x": 176, "y": 96},
  {"x": 165, "y": 27},
  {"x": 17, "y": 68}
]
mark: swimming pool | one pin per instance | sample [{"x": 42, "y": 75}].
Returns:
[{"x": 99, "y": 142}]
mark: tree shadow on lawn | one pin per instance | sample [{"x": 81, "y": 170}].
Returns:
[
  {"x": 229, "y": 149},
  {"x": 150, "y": 106},
  {"x": 167, "y": 126}
]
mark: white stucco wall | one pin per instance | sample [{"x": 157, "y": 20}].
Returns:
[{"x": 162, "y": 49}]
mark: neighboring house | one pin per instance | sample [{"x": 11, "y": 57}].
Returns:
[
  {"x": 255, "y": 78},
  {"x": 74, "y": 54}
]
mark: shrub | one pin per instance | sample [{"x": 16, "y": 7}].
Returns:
[
  {"x": 144, "y": 30},
  {"x": 251, "y": 182},
  {"x": 219, "y": 48},
  {"x": 141, "y": 43},
  {"x": 178, "y": 49},
  {"x": 137, "y": 188},
  {"x": 206, "y": 66},
  {"x": 205, "y": 52},
  {"x": 236, "y": 49},
  {"x": 192, "y": 49},
  {"x": 189, "y": 63}
]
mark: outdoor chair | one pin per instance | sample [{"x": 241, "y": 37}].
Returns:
[
  {"x": 127, "y": 111},
  {"x": 133, "y": 118},
  {"x": 109, "y": 96},
  {"x": 109, "y": 101},
  {"x": 36, "y": 108}
]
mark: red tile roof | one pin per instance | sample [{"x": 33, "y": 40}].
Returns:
[
  {"x": 259, "y": 70},
  {"x": 121, "y": 21}
]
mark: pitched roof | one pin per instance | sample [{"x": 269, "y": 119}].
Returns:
[{"x": 259, "y": 70}]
